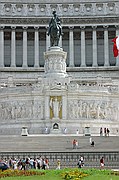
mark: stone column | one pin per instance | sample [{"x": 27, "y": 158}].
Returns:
[
  {"x": 71, "y": 47},
  {"x": 117, "y": 34},
  {"x": 1, "y": 46},
  {"x": 64, "y": 107},
  {"x": 47, "y": 40},
  {"x": 94, "y": 47},
  {"x": 47, "y": 107},
  {"x": 106, "y": 47},
  {"x": 36, "y": 47},
  {"x": 13, "y": 47},
  {"x": 25, "y": 46},
  {"x": 83, "y": 51}
]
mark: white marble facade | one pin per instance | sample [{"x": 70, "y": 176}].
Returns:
[
  {"x": 58, "y": 102},
  {"x": 74, "y": 86}
]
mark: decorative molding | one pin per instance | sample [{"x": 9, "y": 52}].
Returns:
[
  {"x": 68, "y": 9},
  {"x": 74, "y": 21}
]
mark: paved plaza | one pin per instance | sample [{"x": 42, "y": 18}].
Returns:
[{"x": 57, "y": 143}]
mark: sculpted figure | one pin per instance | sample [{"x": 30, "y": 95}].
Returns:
[
  {"x": 55, "y": 29},
  {"x": 55, "y": 106}
]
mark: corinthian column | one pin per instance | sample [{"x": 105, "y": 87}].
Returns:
[
  {"x": 83, "y": 51},
  {"x": 71, "y": 47},
  {"x": 24, "y": 46},
  {"x": 1, "y": 46},
  {"x": 106, "y": 46},
  {"x": 47, "y": 40},
  {"x": 94, "y": 46},
  {"x": 13, "y": 47},
  {"x": 36, "y": 47}
]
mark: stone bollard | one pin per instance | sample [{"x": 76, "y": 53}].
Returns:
[{"x": 24, "y": 131}]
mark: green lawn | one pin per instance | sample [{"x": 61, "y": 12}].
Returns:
[
  {"x": 92, "y": 177},
  {"x": 56, "y": 175}
]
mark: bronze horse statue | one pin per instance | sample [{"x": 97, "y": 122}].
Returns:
[{"x": 55, "y": 30}]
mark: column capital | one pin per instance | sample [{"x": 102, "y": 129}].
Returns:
[
  {"x": 117, "y": 26},
  {"x": 36, "y": 27},
  {"x": 25, "y": 27},
  {"x": 71, "y": 27},
  {"x": 2, "y": 27},
  {"x": 105, "y": 27},
  {"x": 94, "y": 27},
  {"x": 82, "y": 27},
  {"x": 13, "y": 27}
]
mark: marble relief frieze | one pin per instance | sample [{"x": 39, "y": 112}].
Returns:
[
  {"x": 66, "y": 9},
  {"x": 92, "y": 109},
  {"x": 21, "y": 109}
]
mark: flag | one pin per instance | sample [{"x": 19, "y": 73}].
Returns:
[{"x": 116, "y": 46}]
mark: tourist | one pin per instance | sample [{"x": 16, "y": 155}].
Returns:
[
  {"x": 47, "y": 163},
  {"x": 102, "y": 162},
  {"x": 79, "y": 163},
  {"x": 65, "y": 130},
  {"x": 77, "y": 131},
  {"x": 74, "y": 144},
  {"x": 58, "y": 164},
  {"x": 23, "y": 164},
  {"x": 108, "y": 131},
  {"x": 101, "y": 133},
  {"x": 31, "y": 163},
  {"x": 46, "y": 130},
  {"x": 43, "y": 164},
  {"x": 105, "y": 132},
  {"x": 93, "y": 143},
  {"x": 82, "y": 161},
  {"x": 90, "y": 139}
]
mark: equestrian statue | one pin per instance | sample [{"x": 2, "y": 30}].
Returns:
[{"x": 55, "y": 29}]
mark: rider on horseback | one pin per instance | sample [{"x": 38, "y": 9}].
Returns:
[{"x": 55, "y": 21}]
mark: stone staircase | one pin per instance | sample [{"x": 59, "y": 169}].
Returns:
[{"x": 60, "y": 147}]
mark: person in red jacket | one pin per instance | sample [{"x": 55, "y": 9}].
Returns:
[{"x": 102, "y": 162}]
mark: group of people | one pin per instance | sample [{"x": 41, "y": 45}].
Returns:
[
  {"x": 39, "y": 163},
  {"x": 105, "y": 132},
  {"x": 27, "y": 163},
  {"x": 81, "y": 162}
]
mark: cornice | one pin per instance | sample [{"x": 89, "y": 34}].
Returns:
[
  {"x": 81, "y": 9},
  {"x": 65, "y": 21}
]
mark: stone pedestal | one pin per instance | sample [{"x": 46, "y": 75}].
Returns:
[
  {"x": 55, "y": 63},
  {"x": 24, "y": 131}
]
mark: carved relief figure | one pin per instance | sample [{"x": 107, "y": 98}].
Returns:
[{"x": 92, "y": 110}]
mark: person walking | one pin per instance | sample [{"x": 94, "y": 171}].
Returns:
[
  {"x": 108, "y": 131},
  {"x": 79, "y": 163},
  {"x": 58, "y": 164},
  {"x": 101, "y": 133},
  {"x": 105, "y": 132},
  {"x": 74, "y": 144},
  {"x": 102, "y": 162}
]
